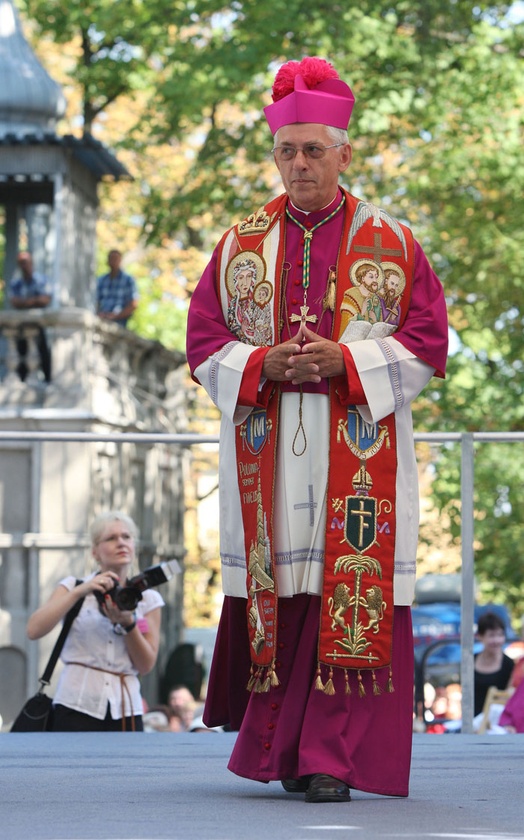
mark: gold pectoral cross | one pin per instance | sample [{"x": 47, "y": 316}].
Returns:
[{"x": 304, "y": 317}]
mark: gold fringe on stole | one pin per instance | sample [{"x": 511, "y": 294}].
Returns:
[
  {"x": 347, "y": 687},
  {"x": 376, "y": 688},
  {"x": 361, "y": 686},
  {"x": 264, "y": 686},
  {"x": 319, "y": 685},
  {"x": 261, "y": 680},
  {"x": 273, "y": 675},
  {"x": 329, "y": 688}
]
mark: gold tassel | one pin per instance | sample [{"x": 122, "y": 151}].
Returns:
[
  {"x": 376, "y": 688},
  {"x": 329, "y": 688},
  {"x": 273, "y": 675},
  {"x": 264, "y": 687},
  {"x": 390, "y": 688},
  {"x": 328, "y": 301},
  {"x": 347, "y": 687},
  {"x": 319, "y": 685},
  {"x": 251, "y": 680},
  {"x": 361, "y": 686}
]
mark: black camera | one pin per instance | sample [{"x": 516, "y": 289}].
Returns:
[{"x": 127, "y": 597}]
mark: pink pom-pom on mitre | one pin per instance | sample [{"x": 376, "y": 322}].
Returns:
[
  {"x": 312, "y": 70},
  {"x": 309, "y": 91}
]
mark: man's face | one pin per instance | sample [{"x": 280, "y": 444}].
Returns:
[
  {"x": 25, "y": 264},
  {"x": 113, "y": 260},
  {"x": 311, "y": 184}
]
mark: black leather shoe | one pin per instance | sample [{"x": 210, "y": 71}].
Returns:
[
  {"x": 296, "y": 785},
  {"x": 324, "y": 788}
]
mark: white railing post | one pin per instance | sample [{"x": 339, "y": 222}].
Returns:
[{"x": 468, "y": 581}]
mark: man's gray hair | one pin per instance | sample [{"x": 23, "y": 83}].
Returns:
[{"x": 339, "y": 135}]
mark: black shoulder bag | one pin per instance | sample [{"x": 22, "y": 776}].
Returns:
[{"x": 37, "y": 712}]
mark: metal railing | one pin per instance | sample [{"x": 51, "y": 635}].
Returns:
[{"x": 467, "y": 442}]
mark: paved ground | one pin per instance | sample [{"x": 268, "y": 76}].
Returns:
[{"x": 158, "y": 786}]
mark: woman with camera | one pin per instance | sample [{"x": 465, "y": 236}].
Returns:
[{"x": 107, "y": 648}]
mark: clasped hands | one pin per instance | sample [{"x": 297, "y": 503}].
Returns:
[{"x": 307, "y": 357}]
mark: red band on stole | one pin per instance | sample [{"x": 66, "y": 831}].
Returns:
[
  {"x": 255, "y": 446},
  {"x": 357, "y": 596}
]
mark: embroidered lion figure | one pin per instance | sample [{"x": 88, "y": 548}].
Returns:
[
  {"x": 374, "y": 606},
  {"x": 339, "y": 604}
]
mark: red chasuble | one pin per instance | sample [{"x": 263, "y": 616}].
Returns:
[{"x": 369, "y": 290}]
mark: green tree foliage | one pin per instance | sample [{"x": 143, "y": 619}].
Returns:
[{"x": 437, "y": 138}]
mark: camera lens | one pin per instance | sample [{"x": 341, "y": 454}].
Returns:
[{"x": 127, "y": 598}]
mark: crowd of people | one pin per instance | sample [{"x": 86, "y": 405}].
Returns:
[{"x": 109, "y": 648}]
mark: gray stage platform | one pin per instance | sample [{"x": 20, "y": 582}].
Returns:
[{"x": 160, "y": 786}]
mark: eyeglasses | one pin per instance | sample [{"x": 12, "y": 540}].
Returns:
[{"x": 313, "y": 151}]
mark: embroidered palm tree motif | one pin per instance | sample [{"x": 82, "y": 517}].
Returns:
[{"x": 356, "y": 610}]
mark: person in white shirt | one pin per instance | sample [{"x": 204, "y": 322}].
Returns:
[{"x": 106, "y": 648}]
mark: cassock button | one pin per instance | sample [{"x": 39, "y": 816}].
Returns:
[
  {"x": 294, "y": 301},
  {"x": 274, "y": 707},
  {"x": 298, "y": 282},
  {"x": 283, "y": 625},
  {"x": 271, "y": 726},
  {"x": 267, "y": 745},
  {"x": 281, "y": 645}
]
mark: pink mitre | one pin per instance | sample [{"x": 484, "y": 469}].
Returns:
[{"x": 309, "y": 91}]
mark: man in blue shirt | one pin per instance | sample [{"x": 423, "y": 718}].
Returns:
[
  {"x": 30, "y": 290},
  {"x": 116, "y": 292}
]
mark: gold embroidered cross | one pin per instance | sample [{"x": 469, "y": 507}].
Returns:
[{"x": 304, "y": 317}]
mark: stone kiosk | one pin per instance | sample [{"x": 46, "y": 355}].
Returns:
[{"x": 104, "y": 380}]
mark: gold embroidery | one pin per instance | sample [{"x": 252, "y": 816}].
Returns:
[
  {"x": 257, "y": 222},
  {"x": 353, "y": 641},
  {"x": 248, "y": 315},
  {"x": 364, "y": 211}
]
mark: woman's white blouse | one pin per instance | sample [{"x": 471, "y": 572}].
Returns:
[{"x": 92, "y": 641}]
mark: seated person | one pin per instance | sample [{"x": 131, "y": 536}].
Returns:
[{"x": 492, "y": 666}]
